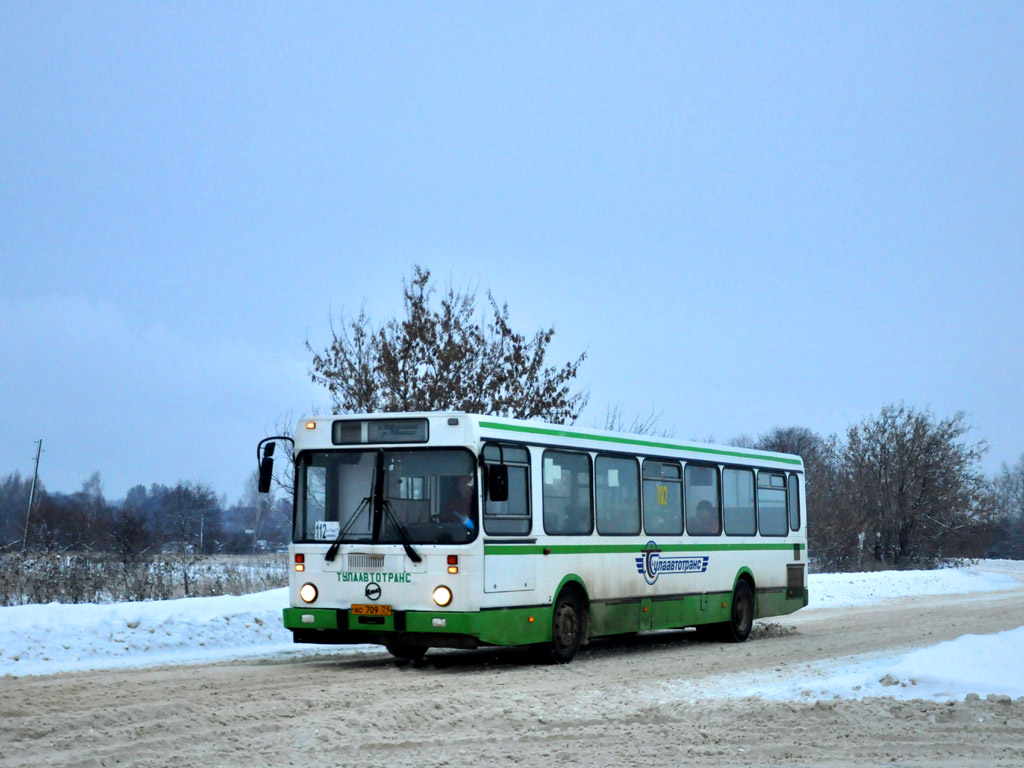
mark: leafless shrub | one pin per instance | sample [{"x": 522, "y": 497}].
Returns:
[{"x": 46, "y": 577}]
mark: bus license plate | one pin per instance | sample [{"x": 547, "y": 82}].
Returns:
[{"x": 370, "y": 610}]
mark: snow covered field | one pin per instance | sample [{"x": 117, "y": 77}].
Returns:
[{"x": 47, "y": 639}]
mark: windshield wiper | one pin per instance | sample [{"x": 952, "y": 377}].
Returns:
[
  {"x": 332, "y": 551},
  {"x": 402, "y": 533}
]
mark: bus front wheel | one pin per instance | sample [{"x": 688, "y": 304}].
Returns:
[
  {"x": 566, "y": 627},
  {"x": 402, "y": 651}
]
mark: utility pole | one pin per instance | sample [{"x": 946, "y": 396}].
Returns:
[{"x": 32, "y": 494}]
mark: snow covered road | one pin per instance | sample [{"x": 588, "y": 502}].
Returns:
[{"x": 911, "y": 668}]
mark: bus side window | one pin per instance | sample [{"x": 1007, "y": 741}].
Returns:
[
  {"x": 567, "y": 495},
  {"x": 702, "y": 509},
  {"x": 794, "y": 503},
  {"x": 771, "y": 504},
  {"x": 512, "y": 516},
  {"x": 618, "y": 496},
  {"x": 663, "y": 498},
  {"x": 738, "y": 498}
]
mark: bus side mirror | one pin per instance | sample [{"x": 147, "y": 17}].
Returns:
[
  {"x": 497, "y": 482},
  {"x": 266, "y": 468}
]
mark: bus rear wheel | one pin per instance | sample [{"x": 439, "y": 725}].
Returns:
[
  {"x": 741, "y": 619},
  {"x": 566, "y": 627}
]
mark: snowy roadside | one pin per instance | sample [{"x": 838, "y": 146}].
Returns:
[
  {"x": 989, "y": 666},
  {"x": 47, "y": 639},
  {"x": 842, "y": 590},
  {"x": 983, "y": 665}
]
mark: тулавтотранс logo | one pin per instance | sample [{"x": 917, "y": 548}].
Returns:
[{"x": 652, "y": 563}]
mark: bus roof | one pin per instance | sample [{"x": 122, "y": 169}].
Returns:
[{"x": 539, "y": 432}]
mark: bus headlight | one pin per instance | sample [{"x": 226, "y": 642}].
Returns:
[
  {"x": 308, "y": 593},
  {"x": 442, "y": 596}
]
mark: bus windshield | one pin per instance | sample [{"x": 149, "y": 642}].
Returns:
[{"x": 429, "y": 493}]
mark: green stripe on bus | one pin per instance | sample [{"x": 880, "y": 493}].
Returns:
[
  {"x": 609, "y": 549},
  {"x": 631, "y": 441}
]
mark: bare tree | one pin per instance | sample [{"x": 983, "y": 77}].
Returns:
[
  {"x": 129, "y": 540},
  {"x": 349, "y": 366},
  {"x": 14, "y": 495},
  {"x": 1008, "y": 492},
  {"x": 89, "y": 514},
  {"x": 191, "y": 507},
  {"x": 614, "y": 421},
  {"x": 263, "y": 512},
  {"x": 445, "y": 358},
  {"x": 914, "y": 486}
]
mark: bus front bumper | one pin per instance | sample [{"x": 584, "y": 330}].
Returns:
[{"x": 515, "y": 626}]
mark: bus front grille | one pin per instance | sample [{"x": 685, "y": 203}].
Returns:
[{"x": 361, "y": 562}]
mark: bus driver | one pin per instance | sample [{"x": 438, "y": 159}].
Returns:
[{"x": 459, "y": 506}]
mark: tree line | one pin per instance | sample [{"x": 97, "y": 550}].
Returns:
[
  {"x": 185, "y": 519},
  {"x": 903, "y": 488},
  {"x": 900, "y": 489}
]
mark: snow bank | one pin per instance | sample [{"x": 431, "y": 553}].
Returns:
[
  {"x": 842, "y": 590},
  {"x": 991, "y": 664},
  {"x": 984, "y": 665},
  {"x": 43, "y": 639}
]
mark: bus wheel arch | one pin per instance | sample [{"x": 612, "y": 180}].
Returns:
[{"x": 747, "y": 575}]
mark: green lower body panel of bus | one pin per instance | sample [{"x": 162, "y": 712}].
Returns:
[
  {"x": 616, "y": 617},
  {"x": 778, "y": 602},
  {"x": 524, "y": 626}
]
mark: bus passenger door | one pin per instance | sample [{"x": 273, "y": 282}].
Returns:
[{"x": 509, "y": 563}]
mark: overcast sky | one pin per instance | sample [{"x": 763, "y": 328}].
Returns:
[{"x": 749, "y": 215}]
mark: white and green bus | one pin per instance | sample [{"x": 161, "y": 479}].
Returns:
[{"x": 454, "y": 530}]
